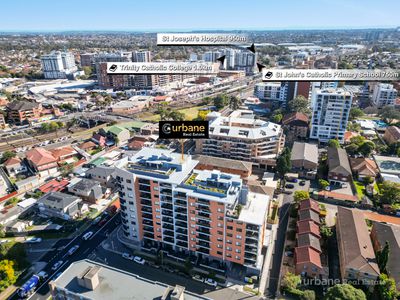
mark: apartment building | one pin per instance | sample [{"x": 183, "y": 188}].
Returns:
[
  {"x": 21, "y": 112},
  {"x": 384, "y": 94},
  {"x": 240, "y": 136},
  {"x": 331, "y": 108},
  {"x": 58, "y": 64},
  {"x": 167, "y": 202}
]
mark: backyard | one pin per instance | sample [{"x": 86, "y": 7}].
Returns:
[{"x": 190, "y": 114}]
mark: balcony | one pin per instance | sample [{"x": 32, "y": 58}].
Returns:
[
  {"x": 203, "y": 237},
  {"x": 180, "y": 210},
  {"x": 167, "y": 220},
  {"x": 180, "y": 196},
  {"x": 144, "y": 181},
  {"x": 168, "y": 233},
  {"x": 204, "y": 230},
  {"x": 203, "y": 250},
  {"x": 182, "y": 244},
  {"x": 145, "y": 202},
  {"x": 167, "y": 226},
  {"x": 252, "y": 227},
  {"x": 147, "y": 222},
  {"x": 181, "y": 224},
  {"x": 203, "y": 244},
  {"x": 122, "y": 201},
  {"x": 181, "y": 237},
  {"x": 148, "y": 235},
  {"x": 181, "y": 218},
  {"x": 203, "y": 223},
  {"x": 148, "y": 228},
  {"x": 147, "y": 216},
  {"x": 251, "y": 241},
  {"x": 249, "y": 249},
  {"x": 146, "y": 209},
  {"x": 144, "y": 188},
  {"x": 203, "y": 215},
  {"x": 181, "y": 230},
  {"x": 250, "y": 257},
  {"x": 181, "y": 203},
  {"x": 167, "y": 206},
  {"x": 169, "y": 240},
  {"x": 251, "y": 235}
]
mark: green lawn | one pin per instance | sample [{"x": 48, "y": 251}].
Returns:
[
  {"x": 190, "y": 114},
  {"x": 360, "y": 189}
]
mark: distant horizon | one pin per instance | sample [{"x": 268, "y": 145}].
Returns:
[{"x": 177, "y": 30}]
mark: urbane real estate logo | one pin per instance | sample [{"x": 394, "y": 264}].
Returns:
[{"x": 183, "y": 129}]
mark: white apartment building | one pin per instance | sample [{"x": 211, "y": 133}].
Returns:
[
  {"x": 211, "y": 56},
  {"x": 240, "y": 136},
  {"x": 141, "y": 56},
  {"x": 384, "y": 94},
  {"x": 331, "y": 108},
  {"x": 58, "y": 65},
  {"x": 271, "y": 91}
]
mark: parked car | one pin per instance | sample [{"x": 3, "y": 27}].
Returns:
[
  {"x": 43, "y": 275},
  {"x": 73, "y": 250},
  {"x": 127, "y": 256},
  {"x": 302, "y": 182},
  {"x": 289, "y": 186},
  {"x": 139, "y": 260},
  {"x": 57, "y": 265},
  {"x": 97, "y": 220},
  {"x": 211, "y": 282},
  {"x": 292, "y": 180},
  {"x": 288, "y": 192},
  {"x": 198, "y": 278},
  {"x": 87, "y": 235},
  {"x": 33, "y": 240}
]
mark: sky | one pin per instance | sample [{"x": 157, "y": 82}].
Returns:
[{"x": 186, "y": 15}]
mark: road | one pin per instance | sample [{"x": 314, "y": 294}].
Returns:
[
  {"x": 274, "y": 274},
  {"x": 86, "y": 247}
]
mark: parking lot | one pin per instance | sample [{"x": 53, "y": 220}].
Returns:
[{"x": 299, "y": 185}]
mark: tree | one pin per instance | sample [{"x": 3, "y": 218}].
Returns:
[
  {"x": 299, "y": 104},
  {"x": 334, "y": 143},
  {"x": 283, "y": 163},
  {"x": 387, "y": 288},
  {"x": 301, "y": 195},
  {"x": 355, "y": 113},
  {"x": 2, "y": 231},
  {"x": 7, "y": 274},
  {"x": 176, "y": 116},
  {"x": 390, "y": 192},
  {"x": 358, "y": 140},
  {"x": 366, "y": 148},
  {"x": 368, "y": 180},
  {"x": 351, "y": 126},
  {"x": 382, "y": 257},
  {"x": 277, "y": 118},
  {"x": 67, "y": 169},
  {"x": 344, "y": 292},
  {"x": 7, "y": 155},
  {"x": 221, "y": 101},
  {"x": 326, "y": 231},
  {"x": 290, "y": 281},
  {"x": 87, "y": 70},
  {"x": 352, "y": 148},
  {"x": 202, "y": 114},
  {"x": 389, "y": 114},
  {"x": 234, "y": 102},
  {"x": 323, "y": 184},
  {"x": 308, "y": 295},
  {"x": 12, "y": 201}
]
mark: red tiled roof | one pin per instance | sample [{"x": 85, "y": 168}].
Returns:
[
  {"x": 87, "y": 145},
  {"x": 63, "y": 151},
  {"x": 338, "y": 196},
  {"x": 294, "y": 117},
  {"x": 54, "y": 186},
  {"x": 348, "y": 135},
  {"x": 394, "y": 132},
  {"x": 40, "y": 156},
  {"x": 12, "y": 161},
  {"x": 307, "y": 254},
  {"x": 309, "y": 204},
  {"x": 364, "y": 166},
  {"x": 308, "y": 227}
]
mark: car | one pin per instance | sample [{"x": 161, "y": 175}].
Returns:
[
  {"x": 211, "y": 282},
  {"x": 42, "y": 275},
  {"x": 139, "y": 260},
  {"x": 102, "y": 222},
  {"x": 344, "y": 185},
  {"x": 87, "y": 235},
  {"x": 328, "y": 188},
  {"x": 287, "y": 192},
  {"x": 127, "y": 256},
  {"x": 198, "y": 278},
  {"x": 292, "y": 180},
  {"x": 97, "y": 220},
  {"x": 73, "y": 250},
  {"x": 302, "y": 183},
  {"x": 289, "y": 186},
  {"x": 33, "y": 240},
  {"x": 57, "y": 265},
  {"x": 289, "y": 253}
]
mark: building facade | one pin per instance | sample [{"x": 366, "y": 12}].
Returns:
[
  {"x": 241, "y": 136},
  {"x": 384, "y": 94},
  {"x": 58, "y": 65},
  {"x": 166, "y": 202},
  {"x": 331, "y": 109}
]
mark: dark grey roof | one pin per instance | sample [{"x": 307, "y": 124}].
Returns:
[
  {"x": 308, "y": 214},
  {"x": 308, "y": 239},
  {"x": 101, "y": 171},
  {"x": 22, "y": 105},
  {"x": 85, "y": 184},
  {"x": 338, "y": 161},
  {"x": 391, "y": 234},
  {"x": 57, "y": 199},
  {"x": 304, "y": 151}
]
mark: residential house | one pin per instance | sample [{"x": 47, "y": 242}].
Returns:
[
  {"x": 348, "y": 135},
  {"x": 296, "y": 126},
  {"x": 339, "y": 166},
  {"x": 99, "y": 140},
  {"x": 309, "y": 204},
  {"x": 14, "y": 166},
  {"x": 382, "y": 233},
  {"x": 87, "y": 146},
  {"x": 308, "y": 262},
  {"x": 88, "y": 189},
  {"x": 304, "y": 159},
  {"x": 60, "y": 205},
  {"x": 119, "y": 134},
  {"x": 309, "y": 215},
  {"x": 64, "y": 154},
  {"x": 364, "y": 167},
  {"x": 42, "y": 161},
  {"x": 309, "y": 240},
  {"x": 54, "y": 186},
  {"x": 104, "y": 175},
  {"x": 356, "y": 254},
  {"x": 392, "y": 135},
  {"x": 307, "y": 226}
]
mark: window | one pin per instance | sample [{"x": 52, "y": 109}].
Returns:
[
  {"x": 237, "y": 257},
  {"x": 129, "y": 189},
  {"x": 158, "y": 210},
  {"x": 220, "y": 232},
  {"x": 155, "y": 188},
  {"x": 229, "y": 227},
  {"x": 219, "y": 225},
  {"x": 239, "y": 229},
  {"x": 238, "y": 244},
  {"x": 220, "y": 239},
  {"x": 229, "y": 235},
  {"x": 128, "y": 181},
  {"x": 220, "y": 218},
  {"x": 219, "y": 252},
  {"x": 130, "y": 202},
  {"x": 220, "y": 210},
  {"x": 228, "y": 248},
  {"x": 238, "y": 251},
  {"x": 239, "y": 237},
  {"x": 133, "y": 222},
  {"x": 219, "y": 246},
  {"x": 228, "y": 255}
]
